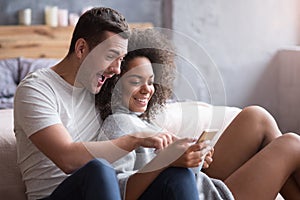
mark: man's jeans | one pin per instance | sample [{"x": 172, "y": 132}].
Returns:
[{"x": 95, "y": 180}]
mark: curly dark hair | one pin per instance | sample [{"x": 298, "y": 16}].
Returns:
[
  {"x": 94, "y": 22},
  {"x": 159, "y": 50}
]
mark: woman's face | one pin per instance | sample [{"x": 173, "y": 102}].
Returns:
[{"x": 137, "y": 84}]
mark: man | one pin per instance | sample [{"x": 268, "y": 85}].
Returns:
[{"x": 55, "y": 119}]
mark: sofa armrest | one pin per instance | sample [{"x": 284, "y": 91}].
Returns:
[{"x": 11, "y": 184}]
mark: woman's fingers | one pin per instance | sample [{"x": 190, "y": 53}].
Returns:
[
  {"x": 208, "y": 159},
  {"x": 196, "y": 153},
  {"x": 204, "y": 147}
]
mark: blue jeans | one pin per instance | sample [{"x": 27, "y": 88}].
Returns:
[
  {"x": 173, "y": 184},
  {"x": 95, "y": 180}
]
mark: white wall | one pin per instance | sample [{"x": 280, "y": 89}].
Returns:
[{"x": 242, "y": 38}]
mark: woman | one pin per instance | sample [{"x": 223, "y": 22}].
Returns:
[
  {"x": 135, "y": 184},
  {"x": 247, "y": 166}
]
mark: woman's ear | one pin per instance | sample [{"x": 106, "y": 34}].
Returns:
[{"x": 81, "y": 48}]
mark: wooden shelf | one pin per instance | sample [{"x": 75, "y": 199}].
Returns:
[
  {"x": 39, "y": 41},
  {"x": 34, "y": 41}
]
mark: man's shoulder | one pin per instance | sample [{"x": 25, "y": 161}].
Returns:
[
  {"x": 38, "y": 78},
  {"x": 39, "y": 74},
  {"x": 38, "y": 86}
]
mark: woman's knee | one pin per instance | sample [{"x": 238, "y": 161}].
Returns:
[
  {"x": 98, "y": 166},
  {"x": 172, "y": 184},
  {"x": 291, "y": 142},
  {"x": 261, "y": 119},
  {"x": 256, "y": 113},
  {"x": 181, "y": 175},
  {"x": 177, "y": 181}
]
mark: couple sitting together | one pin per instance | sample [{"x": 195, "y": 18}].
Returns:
[{"x": 66, "y": 150}]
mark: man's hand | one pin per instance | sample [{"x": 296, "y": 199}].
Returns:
[{"x": 155, "y": 140}]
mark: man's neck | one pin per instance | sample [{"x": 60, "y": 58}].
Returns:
[{"x": 67, "y": 69}]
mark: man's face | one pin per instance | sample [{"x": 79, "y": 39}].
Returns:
[{"x": 102, "y": 62}]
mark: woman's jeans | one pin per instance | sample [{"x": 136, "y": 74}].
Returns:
[
  {"x": 172, "y": 184},
  {"x": 97, "y": 180}
]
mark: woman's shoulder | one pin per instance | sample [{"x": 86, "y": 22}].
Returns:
[
  {"x": 121, "y": 118},
  {"x": 119, "y": 124}
]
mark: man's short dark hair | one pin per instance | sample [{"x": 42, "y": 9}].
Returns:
[{"x": 94, "y": 22}]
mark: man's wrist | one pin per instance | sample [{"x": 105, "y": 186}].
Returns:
[{"x": 134, "y": 140}]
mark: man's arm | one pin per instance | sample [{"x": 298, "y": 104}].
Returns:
[{"x": 56, "y": 143}]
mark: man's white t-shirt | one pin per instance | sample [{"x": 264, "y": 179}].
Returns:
[{"x": 43, "y": 99}]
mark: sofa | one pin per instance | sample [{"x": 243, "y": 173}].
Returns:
[
  {"x": 12, "y": 71},
  {"x": 11, "y": 184},
  {"x": 184, "y": 118}
]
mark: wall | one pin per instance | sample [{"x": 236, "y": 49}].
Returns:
[
  {"x": 142, "y": 11},
  {"x": 242, "y": 38},
  {"x": 289, "y": 70}
]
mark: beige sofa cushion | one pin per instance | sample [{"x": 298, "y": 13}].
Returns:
[
  {"x": 190, "y": 118},
  {"x": 11, "y": 185}
]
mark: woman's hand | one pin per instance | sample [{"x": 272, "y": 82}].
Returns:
[
  {"x": 208, "y": 158},
  {"x": 194, "y": 155},
  {"x": 181, "y": 153},
  {"x": 167, "y": 156}
]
